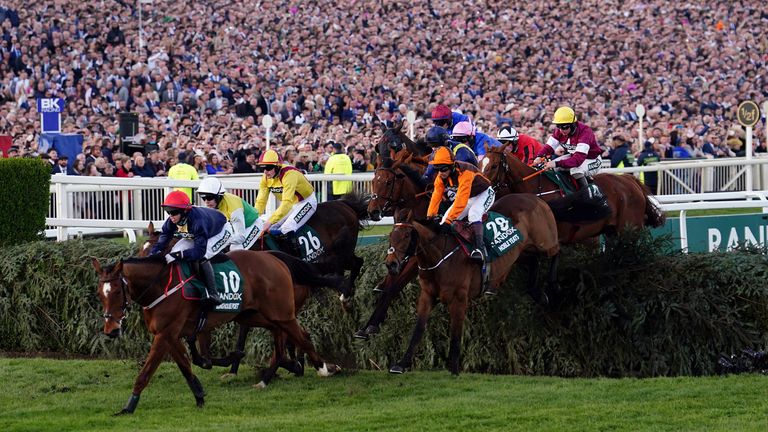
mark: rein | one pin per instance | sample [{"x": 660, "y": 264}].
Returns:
[
  {"x": 408, "y": 255},
  {"x": 167, "y": 293}
]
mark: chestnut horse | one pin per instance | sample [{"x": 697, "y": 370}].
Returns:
[
  {"x": 447, "y": 273},
  {"x": 267, "y": 302},
  {"x": 629, "y": 200},
  {"x": 395, "y": 186},
  {"x": 305, "y": 279}
]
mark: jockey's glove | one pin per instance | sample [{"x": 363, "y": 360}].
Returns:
[
  {"x": 445, "y": 228},
  {"x": 173, "y": 256}
]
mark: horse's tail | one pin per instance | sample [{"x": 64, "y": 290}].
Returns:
[
  {"x": 358, "y": 203},
  {"x": 304, "y": 273},
  {"x": 654, "y": 216}
]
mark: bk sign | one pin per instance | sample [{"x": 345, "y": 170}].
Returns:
[{"x": 50, "y": 114}]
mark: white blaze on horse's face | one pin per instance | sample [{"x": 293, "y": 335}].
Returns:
[
  {"x": 146, "y": 245},
  {"x": 106, "y": 287}
]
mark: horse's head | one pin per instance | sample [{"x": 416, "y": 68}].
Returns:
[
  {"x": 113, "y": 294},
  {"x": 152, "y": 239},
  {"x": 402, "y": 242},
  {"x": 386, "y": 187},
  {"x": 496, "y": 164}
]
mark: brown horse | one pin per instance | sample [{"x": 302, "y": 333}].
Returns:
[
  {"x": 395, "y": 187},
  {"x": 305, "y": 279},
  {"x": 447, "y": 273},
  {"x": 337, "y": 224},
  {"x": 629, "y": 200},
  {"x": 267, "y": 302}
]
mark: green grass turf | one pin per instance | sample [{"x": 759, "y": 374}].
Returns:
[{"x": 45, "y": 394}]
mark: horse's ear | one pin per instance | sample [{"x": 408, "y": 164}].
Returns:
[
  {"x": 96, "y": 264},
  {"x": 487, "y": 148},
  {"x": 150, "y": 227},
  {"x": 399, "y": 125},
  {"x": 425, "y": 232}
]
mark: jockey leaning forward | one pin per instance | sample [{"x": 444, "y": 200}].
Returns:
[
  {"x": 443, "y": 116},
  {"x": 240, "y": 213},
  {"x": 582, "y": 158}
]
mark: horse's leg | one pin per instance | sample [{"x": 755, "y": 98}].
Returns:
[
  {"x": 201, "y": 358},
  {"x": 531, "y": 261},
  {"x": 301, "y": 338},
  {"x": 423, "y": 309},
  {"x": 233, "y": 358},
  {"x": 278, "y": 337},
  {"x": 160, "y": 347},
  {"x": 552, "y": 285},
  {"x": 354, "y": 272},
  {"x": 458, "y": 312},
  {"x": 182, "y": 361},
  {"x": 393, "y": 285}
]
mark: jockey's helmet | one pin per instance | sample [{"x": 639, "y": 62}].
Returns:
[
  {"x": 436, "y": 136},
  {"x": 508, "y": 134},
  {"x": 176, "y": 200}
]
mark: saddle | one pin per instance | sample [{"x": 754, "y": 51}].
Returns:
[{"x": 228, "y": 282}]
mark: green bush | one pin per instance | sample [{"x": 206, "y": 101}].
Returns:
[
  {"x": 632, "y": 310},
  {"x": 24, "y": 199}
]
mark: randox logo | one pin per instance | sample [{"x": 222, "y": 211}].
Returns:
[
  {"x": 276, "y": 190},
  {"x": 254, "y": 232},
  {"x": 222, "y": 242},
  {"x": 303, "y": 212}
]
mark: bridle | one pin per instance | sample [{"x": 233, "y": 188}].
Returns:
[
  {"x": 124, "y": 308},
  {"x": 413, "y": 249},
  {"x": 410, "y": 251},
  {"x": 389, "y": 201}
]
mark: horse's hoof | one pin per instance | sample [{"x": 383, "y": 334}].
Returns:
[
  {"x": 200, "y": 402},
  {"x": 122, "y": 412},
  {"x": 298, "y": 369},
  {"x": 260, "y": 385},
  {"x": 372, "y": 330},
  {"x": 397, "y": 369},
  {"x": 328, "y": 369},
  {"x": 229, "y": 376},
  {"x": 361, "y": 334}
]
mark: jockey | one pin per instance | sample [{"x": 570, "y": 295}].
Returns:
[
  {"x": 439, "y": 137},
  {"x": 470, "y": 193},
  {"x": 241, "y": 214},
  {"x": 294, "y": 192},
  {"x": 204, "y": 233},
  {"x": 466, "y": 133},
  {"x": 523, "y": 146},
  {"x": 582, "y": 158},
  {"x": 443, "y": 116}
]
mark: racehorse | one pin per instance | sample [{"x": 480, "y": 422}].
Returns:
[
  {"x": 305, "y": 279},
  {"x": 337, "y": 224},
  {"x": 629, "y": 200},
  {"x": 447, "y": 273},
  {"x": 267, "y": 301},
  {"x": 394, "y": 141},
  {"x": 394, "y": 188}
]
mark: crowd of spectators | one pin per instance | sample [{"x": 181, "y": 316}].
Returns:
[{"x": 203, "y": 73}]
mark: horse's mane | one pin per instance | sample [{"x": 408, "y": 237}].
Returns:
[
  {"x": 153, "y": 259},
  {"x": 414, "y": 175},
  {"x": 358, "y": 203}
]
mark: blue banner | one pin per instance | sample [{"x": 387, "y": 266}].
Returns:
[{"x": 50, "y": 110}]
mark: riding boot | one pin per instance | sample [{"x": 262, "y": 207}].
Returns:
[
  {"x": 478, "y": 253},
  {"x": 582, "y": 182},
  {"x": 212, "y": 298}
]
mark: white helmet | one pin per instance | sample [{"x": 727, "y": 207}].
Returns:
[
  {"x": 211, "y": 185},
  {"x": 508, "y": 134}
]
